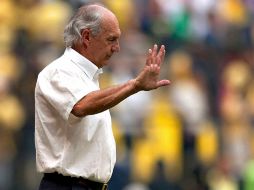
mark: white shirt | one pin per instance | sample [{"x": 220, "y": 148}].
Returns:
[{"x": 78, "y": 147}]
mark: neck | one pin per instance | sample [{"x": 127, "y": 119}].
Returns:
[
  {"x": 79, "y": 49},
  {"x": 82, "y": 51}
]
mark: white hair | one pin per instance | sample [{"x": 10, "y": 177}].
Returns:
[{"x": 87, "y": 17}]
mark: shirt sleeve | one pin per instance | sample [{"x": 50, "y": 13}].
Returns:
[{"x": 63, "y": 90}]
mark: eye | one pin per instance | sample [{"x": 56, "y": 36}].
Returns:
[{"x": 111, "y": 39}]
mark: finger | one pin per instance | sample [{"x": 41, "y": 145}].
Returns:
[
  {"x": 155, "y": 49},
  {"x": 149, "y": 57},
  {"x": 161, "y": 55},
  {"x": 154, "y": 54},
  {"x": 163, "y": 83},
  {"x": 154, "y": 69}
]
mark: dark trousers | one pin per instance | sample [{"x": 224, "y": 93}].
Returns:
[{"x": 56, "y": 181}]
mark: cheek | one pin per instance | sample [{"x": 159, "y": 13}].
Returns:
[
  {"x": 101, "y": 50},
  {"x": 105, "y": 51},
  {"x": 101, "y": 54}
]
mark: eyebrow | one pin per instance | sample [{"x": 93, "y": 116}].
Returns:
[{"x": 113, "y": 36}]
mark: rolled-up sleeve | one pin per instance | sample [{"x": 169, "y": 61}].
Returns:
[{"x": 63, "y": 90}]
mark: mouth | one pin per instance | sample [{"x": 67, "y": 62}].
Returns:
[{"x": 108, "y": 57}]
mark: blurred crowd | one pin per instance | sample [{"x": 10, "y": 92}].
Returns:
[{"x": 196, "y": 134}]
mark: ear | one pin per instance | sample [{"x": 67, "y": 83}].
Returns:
[{"x": 86, "y": 35}]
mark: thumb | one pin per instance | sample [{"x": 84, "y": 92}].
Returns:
[{"x": 163, "y": 83}]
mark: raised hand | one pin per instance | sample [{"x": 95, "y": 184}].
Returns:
[{"x": 148, "y": 79}]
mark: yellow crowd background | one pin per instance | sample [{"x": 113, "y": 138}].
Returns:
[{"x": 196, "y": 134}]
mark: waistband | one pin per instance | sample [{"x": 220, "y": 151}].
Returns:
[{"x": 68, "y": 179}]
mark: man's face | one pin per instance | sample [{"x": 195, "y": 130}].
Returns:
[{"x": 102, "y": 46}]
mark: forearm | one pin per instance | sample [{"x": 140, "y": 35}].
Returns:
[{"x": 101, "y": 100}]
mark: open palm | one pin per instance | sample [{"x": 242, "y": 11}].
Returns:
[{"x": 148, "y": 79}]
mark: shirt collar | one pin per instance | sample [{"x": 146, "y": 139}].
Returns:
[{"x": 91, "y": 70}]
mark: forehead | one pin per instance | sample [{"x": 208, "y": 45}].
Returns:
[{"x": 110, "y": 25}]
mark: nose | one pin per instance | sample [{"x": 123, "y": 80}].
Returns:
[{"x": 116, "y": 47}]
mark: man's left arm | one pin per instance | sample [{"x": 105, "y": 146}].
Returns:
[{"x": 101, "y": 100}]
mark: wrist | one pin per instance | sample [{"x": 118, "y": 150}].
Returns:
[{"x": 134, "y": 86}]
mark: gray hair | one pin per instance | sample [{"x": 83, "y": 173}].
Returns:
[{"x": 87, "y": 17}]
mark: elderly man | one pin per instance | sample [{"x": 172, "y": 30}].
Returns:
[{"x": 75, "y": 147}]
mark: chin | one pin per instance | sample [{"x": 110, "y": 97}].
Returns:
[
  {"x": 105, "y": 63},
  {"x": 102, "y": 64}
]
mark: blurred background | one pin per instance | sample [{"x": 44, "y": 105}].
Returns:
[{"x": 196, "y": 134}]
